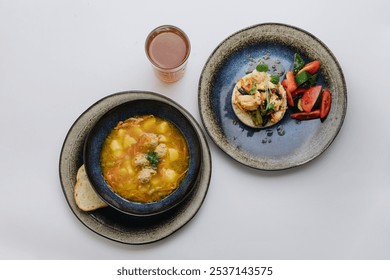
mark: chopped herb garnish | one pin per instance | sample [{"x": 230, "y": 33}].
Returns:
[
  {"x": 270, "y": 107},
  {"x": 311, "y": 81},
  {"x": 152, "y": 158},
  {"x": 298, "y": 63},
  {"x": 253, "y": 89},
  {"x": 274, "y": 79},
  {"x": 262, "y": 67}
]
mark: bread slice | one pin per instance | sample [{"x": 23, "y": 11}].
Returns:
[{"x": 84, "y": 194}]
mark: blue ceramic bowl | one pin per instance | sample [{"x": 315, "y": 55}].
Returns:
[{"x": 144, "y": 103}]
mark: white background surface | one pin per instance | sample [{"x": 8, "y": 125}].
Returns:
[{"x": 58, "y": 57}]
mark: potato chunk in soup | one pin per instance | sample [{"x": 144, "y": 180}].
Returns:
[{"x": 144, "y": 158}]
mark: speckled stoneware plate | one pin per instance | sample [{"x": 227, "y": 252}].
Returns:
[
  {"x": 111, "y": 223},
  {"x": 289, "y": 143}
]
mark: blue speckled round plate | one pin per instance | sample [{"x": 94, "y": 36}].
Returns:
[
  {"x": 109, "y": 222},
  {"x": 289, "y": 143}
]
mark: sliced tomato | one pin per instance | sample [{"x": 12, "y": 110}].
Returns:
[
  {"x": 298, "y": 91},
  {"x": 311, "y": 67},
  {"x": 310, "y": 97},
  {"x": 290, "y": 99},
  {"x": 284, "y": 83},
  {"x": 326, "y": 102},
  {"x": 291, "y": 84},
  {"x": 303, "y": 116}
]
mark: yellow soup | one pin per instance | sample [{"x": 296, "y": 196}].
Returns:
[{"x": 144, "y": 158}]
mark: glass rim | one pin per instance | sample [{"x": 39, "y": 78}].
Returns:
[{"x": 167, "y": 28}]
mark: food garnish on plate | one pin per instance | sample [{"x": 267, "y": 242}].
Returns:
[
  {"x": 307, "y": 99},
  {"x": 258, "y": 99}
]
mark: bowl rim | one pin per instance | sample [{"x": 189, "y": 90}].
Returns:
[{"x": 91, "y": 156}]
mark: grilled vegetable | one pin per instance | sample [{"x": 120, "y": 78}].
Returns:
[{"x": 298, "y": 63}]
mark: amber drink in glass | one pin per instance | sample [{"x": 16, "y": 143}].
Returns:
[{"x": 168, "y": 48}]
